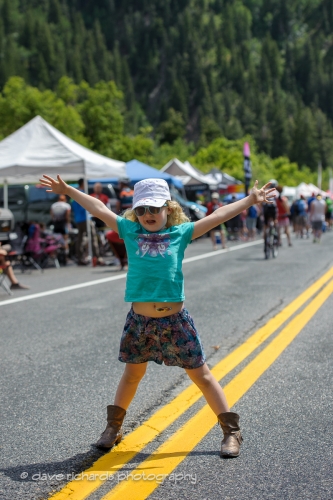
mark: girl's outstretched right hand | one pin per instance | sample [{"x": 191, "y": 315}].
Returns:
[{"x": 56, "y": 186}]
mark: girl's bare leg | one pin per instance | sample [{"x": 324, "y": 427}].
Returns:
[
  {"x": 128, "y": 384},
  {"x": 211, "y": 389}
]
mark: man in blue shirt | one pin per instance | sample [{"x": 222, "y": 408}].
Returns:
[
  {"x": 302, "y": 217},
  {"x": 80, "y": 219}
]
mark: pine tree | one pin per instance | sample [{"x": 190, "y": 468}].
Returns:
[
  {"x": 54, "y": 12},
  {"x": 304, "y": 146},
  {"x": 280, "y": 131},
  {"x": 90, "y": 71},
  {"x": 42, "y": 73},
  {"x": 178, "y": 99},
  {"x": 3, "y": 75},
  {"x": 325, "y": 138},
  {"x": 27, "y": 35},
  {"x": 9, "y": 15},
  {"x": 101, "y": 55},
  {"x": 75, "y": 64},
  {"x": 117, "y": 66}
]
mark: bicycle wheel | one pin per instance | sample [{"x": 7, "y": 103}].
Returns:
[
  {"x": 267, "y": 249},
  {"x": 275, "y": 251},
  {"x": 275, "y": 246}
]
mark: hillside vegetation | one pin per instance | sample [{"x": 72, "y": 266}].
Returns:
[{"x": 189, "y": 75}]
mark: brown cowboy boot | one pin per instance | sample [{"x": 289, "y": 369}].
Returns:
[
  {"x": 113, "y": 432},
  {"x": 232, "y": 440}
]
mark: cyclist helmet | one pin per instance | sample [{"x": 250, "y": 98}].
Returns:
[
  {"x": 274, "y": 183},
  {"x": 124, "y": 180}
]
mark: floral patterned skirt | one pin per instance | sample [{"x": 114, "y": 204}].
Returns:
[{"x": 173, "y": 340}]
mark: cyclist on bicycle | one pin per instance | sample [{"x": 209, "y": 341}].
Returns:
[{"x": 270, "y": 213}]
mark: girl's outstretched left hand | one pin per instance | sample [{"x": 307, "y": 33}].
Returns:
[
  {"x": 55, "y": 186},
  {"x": 263, "y": 195}
]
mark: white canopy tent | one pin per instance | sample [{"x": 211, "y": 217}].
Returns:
[
  {"x": 290, "y": 193},
  {"x": 190, "y": 176},
  {"x": 303, "y": 189},
  {"x": 316, "y": 190},
  {"x": 37, "y": 148},
  {"x": 222, "y": 179}
]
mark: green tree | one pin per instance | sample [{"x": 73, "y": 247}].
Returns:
[
  {"x": 304, "y": 145},
  {"x": 20, "y": 103},
  {"x": 172, "y": 128},
  {"x": 102, "y": 110},
  {"x": 55, "y": 14},
  {"x": 9, "y": 14}
]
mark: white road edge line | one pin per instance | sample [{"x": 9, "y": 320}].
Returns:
[{"x": 121, "y": 276}]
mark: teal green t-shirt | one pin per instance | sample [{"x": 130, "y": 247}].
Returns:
[{"x": 154, "y": 261}]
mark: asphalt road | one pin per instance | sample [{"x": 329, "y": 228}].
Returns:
[{"x": 60, "y": 370}]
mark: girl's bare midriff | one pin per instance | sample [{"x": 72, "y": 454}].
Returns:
[{"x": 153, "y": 309}]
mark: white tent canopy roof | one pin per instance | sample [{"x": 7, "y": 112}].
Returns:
[
  {"x": 189, "y": 175},
  {"x": 289, "y": 192},
  {"x": 222, "y": 179},
  {"x": 38, "y": 148},
  {"x": 304, "y": 190},
  {"x": 316, "y": 190}
]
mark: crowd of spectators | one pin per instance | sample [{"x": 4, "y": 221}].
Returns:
[{"x": 306, "y": 216}]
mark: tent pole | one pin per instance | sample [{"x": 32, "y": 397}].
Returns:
[
  {"x": 5, "y": 194},
  {"x": 90, "y": 253}
]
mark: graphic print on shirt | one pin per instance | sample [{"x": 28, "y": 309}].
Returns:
[{"x": 153, "y": 245}]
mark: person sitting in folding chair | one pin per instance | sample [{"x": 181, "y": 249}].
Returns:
[
  {"x": 7, "y": 272},
  {"x": 39, "y": 249}
]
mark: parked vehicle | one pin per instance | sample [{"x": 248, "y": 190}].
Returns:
[
  {"x": 33, "y": 203},
  {"x": 17, "y": 201},
  {"x": 193, "y": 210},
  {"x": 6, "y": 224},
  {"x": 39, "y": 204}
]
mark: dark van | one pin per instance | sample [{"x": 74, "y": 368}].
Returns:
[
  {"x": 39, "y": 204},
  {"x": 29, "y": 203},
  {"x": 17, "y": 201}
]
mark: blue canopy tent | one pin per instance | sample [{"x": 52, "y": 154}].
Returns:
[
  {"x": 137, "y": 171},
  {"x": 229, "y": 197}
]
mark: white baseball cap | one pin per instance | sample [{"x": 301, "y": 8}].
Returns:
[{"x": 151, "y": 192}]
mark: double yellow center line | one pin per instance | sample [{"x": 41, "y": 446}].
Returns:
[{"x": 171, "y": 453}]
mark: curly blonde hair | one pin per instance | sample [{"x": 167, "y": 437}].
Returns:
[{"x": 176, "y": 217}]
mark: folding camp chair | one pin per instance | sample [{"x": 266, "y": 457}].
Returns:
[
  {"x": 21, "y": 256},
  {"x": 3, "y": 280}
]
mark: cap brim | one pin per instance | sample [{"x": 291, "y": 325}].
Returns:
[{"x": 149, "y": 202}]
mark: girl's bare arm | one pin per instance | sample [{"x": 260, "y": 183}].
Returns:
[
  {"x": 91, "y": 204},
  {"x": 229, "y": 211}
]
